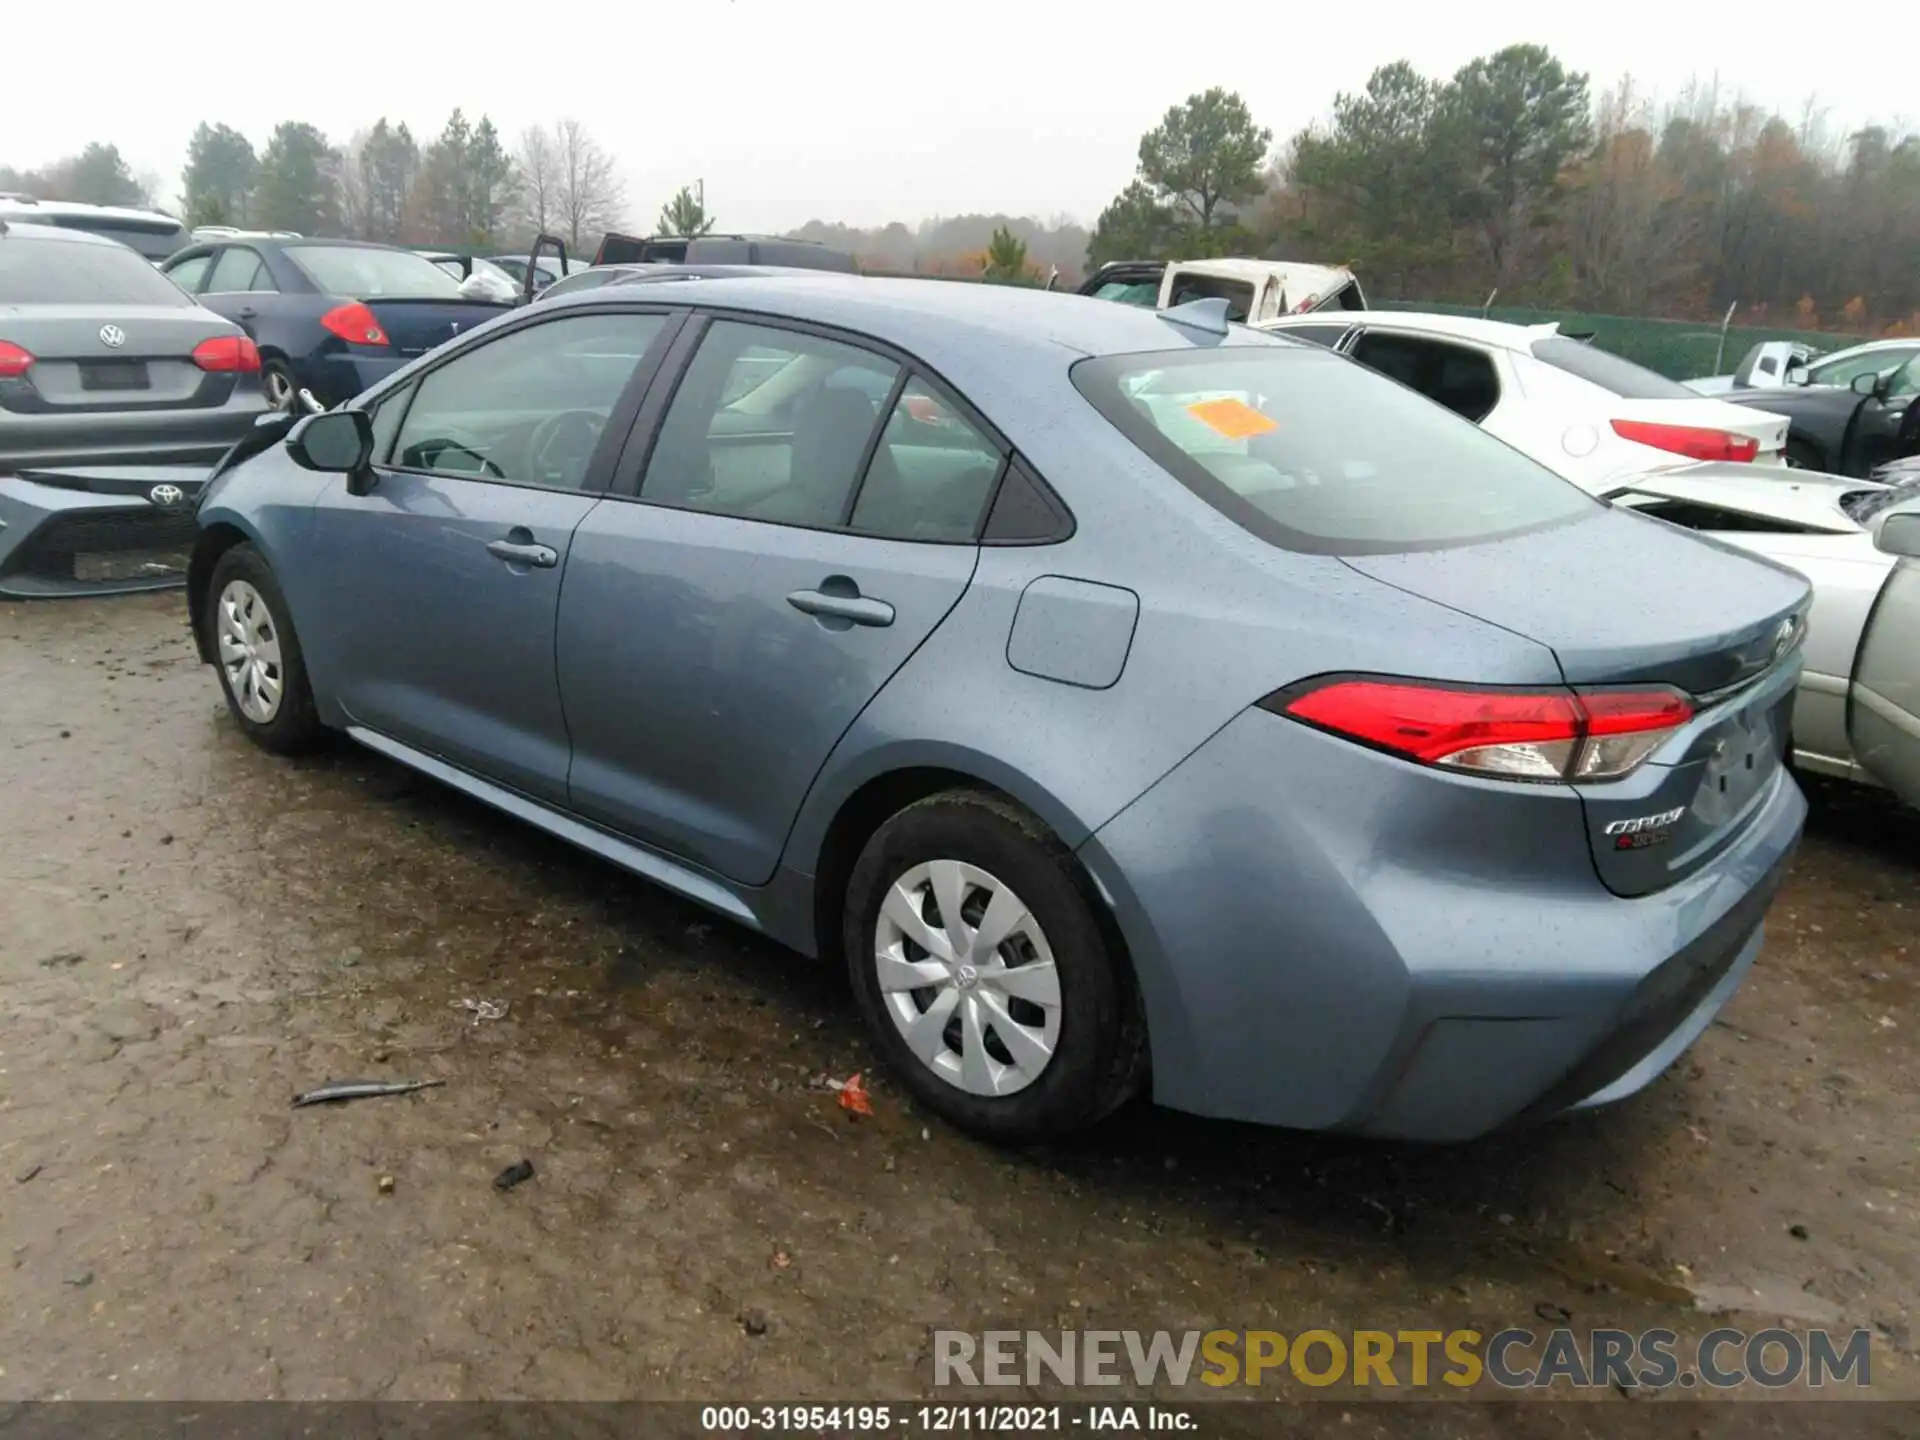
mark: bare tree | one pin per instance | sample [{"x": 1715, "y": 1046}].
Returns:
[
  {"x": 356, "y": 218},
  {"x": 537, "y": 206},
  {"x": 590, "y": 197}
]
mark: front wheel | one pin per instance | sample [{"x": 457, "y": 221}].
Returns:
[
  {"x": 984, "y": 974},
  {"x": 257, "y": 653}
]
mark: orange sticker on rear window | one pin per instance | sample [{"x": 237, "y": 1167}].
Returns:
[{"x": 1234, "y": 419}]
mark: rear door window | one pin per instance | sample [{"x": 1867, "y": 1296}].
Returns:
[
  {"x": 237, "y": 271},
  {"x": 1267, "y": 435},
  {"x": 770, "y": 424},
  {"x": 931, "y": 475},
  {"x": 1456, "y": 376}
]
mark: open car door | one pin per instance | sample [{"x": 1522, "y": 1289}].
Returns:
[{"x": 1883, "y": 710}]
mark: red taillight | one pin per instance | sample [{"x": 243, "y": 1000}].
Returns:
[
  {"x": 1696, "y": 442},
  {"x": 354, "y": 323},
  {"x": 1585, "y": 735},
  {"x": 15, "y": 360},
  {"x": 228, "y": 354}
]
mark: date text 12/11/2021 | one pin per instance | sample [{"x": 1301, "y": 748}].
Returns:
[{"x": 943, "y": 1419}]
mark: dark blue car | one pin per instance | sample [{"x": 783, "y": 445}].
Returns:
[{"x": 330, "y": 316}]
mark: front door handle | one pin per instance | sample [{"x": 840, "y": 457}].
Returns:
[
  {"x": 856, "y": 608},
  {"x": 514, "y": 552}
]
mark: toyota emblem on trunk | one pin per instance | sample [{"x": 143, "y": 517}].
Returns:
[
  {"x": 112, "y": 336},
  {"x": 166, "y": 496}
]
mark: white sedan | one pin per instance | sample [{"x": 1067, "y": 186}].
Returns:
[
  {"x": 1583, "y": 413},
  {"x": 1858, "y": 712}
]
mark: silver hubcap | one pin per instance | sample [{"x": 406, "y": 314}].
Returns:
[
  {"x": 968, "y": 977},
  {"x": 279, "y": 390},
  {"x": 250, "y": 652}
]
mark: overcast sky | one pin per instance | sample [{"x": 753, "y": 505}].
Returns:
[{"x": 792, "y": 110}]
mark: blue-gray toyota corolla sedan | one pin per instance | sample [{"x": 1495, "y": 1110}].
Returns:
[{"x": 1129, "y": 698}]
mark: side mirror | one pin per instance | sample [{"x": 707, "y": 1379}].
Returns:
[
  {"x": 1867, "y": 384},
  {"x": 337, "y": 442},
  {"x": 1797, "y": 375},
  {"x": 1898, "y": 533}
]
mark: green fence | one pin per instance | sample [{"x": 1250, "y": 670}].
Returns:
[{"x": 1681, "y": 349}]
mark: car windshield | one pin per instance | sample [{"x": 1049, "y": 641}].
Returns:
[
  {"x": 1267, "y": 435},
  {"x": 1607, "y": 370},
  {"x": 70, "y": 272},
  {"x": 364, "y": 273}
]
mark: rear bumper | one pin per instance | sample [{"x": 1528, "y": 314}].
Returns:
[
  {"x": 174, "y": 437},
  {"x": 337, "y": 378},
  {"x": 1328, "y": 938},
  {"x": 56, "y": 542}
]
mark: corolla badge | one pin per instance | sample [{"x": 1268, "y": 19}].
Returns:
[
  {"x": 112, "y": 336},
  {"x": 166, "y": 496},
  {"x": 1643, "y": 832}
]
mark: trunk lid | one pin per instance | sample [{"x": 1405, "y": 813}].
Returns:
[
  {"x": 75, "y": 366},
  {"x": 1623, "y": 600},
  {"x": 416, "y": 326}
]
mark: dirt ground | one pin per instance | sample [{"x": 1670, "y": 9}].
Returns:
[{"x": 192, "y": 931}]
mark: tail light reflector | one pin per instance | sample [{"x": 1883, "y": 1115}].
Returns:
[
  {"x": 1542, "y": 735},
  {"x": 1696, "y": 442},
  {"x": 15, "y": 360},
  {"x": 354, "y": 323},
  {"x": 228, "y": 354}
]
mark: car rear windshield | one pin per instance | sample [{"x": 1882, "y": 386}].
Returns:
[
  {"x": 1622, "y": 377},
  {"x": 1313, "y": 452},
  {"x": 78, "y": 272},
  {"x": 359, "y": 273}
]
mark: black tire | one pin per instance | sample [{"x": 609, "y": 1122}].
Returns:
[
  {"x": 1099, "y": 1057},
  {"x": 295, "y": 726}
]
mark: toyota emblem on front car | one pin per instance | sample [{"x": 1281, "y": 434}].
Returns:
[
  {"x": 112, "y": 336},
  {"x": 166, "y": 496}
]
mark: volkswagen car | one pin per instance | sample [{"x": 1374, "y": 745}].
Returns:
[
  {"x": 1121, "y": 712},
  {"x": 117, "y": 394}
]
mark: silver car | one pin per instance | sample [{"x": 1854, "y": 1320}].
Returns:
[
  {"x": 1855, "y": 717},
  {"x": 117, "y": 394}
]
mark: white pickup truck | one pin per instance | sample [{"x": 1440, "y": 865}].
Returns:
[{"x": 1254, "y": 290}]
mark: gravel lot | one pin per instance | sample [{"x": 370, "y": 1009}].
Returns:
[{"x": 191, "y": 932}]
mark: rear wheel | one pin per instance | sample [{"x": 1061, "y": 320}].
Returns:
[
  {"x": 277, "y": 380},
  {"x": 257, "y": 653},
  {"x": 984, "y": 974}
]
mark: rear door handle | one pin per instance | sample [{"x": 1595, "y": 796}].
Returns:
[
  {"x": 856, "y": 608},
  {"x": 247, "y": 312},
  {"x": 513, "y": 552}
]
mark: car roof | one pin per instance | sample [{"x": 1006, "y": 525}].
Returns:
[
  {"x": 1498, "y": 334},
  {"x": 18, "y": 228},
  {"x": 16, "y": 204},
  {"x": 950, "y": 324}
]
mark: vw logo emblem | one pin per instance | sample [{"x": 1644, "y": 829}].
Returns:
[
  {"x": 166, "y": 496},
  {"x": 112, "y": 336}
]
